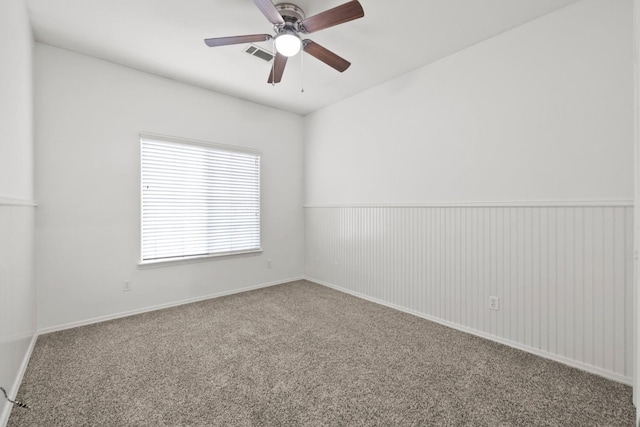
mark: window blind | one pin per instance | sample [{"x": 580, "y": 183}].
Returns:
[{"x": 198, "y": 200}]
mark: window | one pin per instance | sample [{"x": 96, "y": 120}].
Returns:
[{"x": 198, "y": 199}]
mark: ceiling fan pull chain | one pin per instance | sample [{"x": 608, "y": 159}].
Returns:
[
  {"x": 273, "y": 63},
  {"x": 302, "y": 72}
]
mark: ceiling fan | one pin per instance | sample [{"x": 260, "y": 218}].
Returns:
[{"x": 289, "y": 23}]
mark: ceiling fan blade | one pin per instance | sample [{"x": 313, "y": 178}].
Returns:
[
  {"x": 275, "y": 75},
  {"x": 224, "y": 41},
  {"x": 269, "y": 11},
  {"x": 338, "y": 15},
  {"x": 326, "y": 56}
]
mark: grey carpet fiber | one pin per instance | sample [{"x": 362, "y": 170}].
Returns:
[{"x": 300, "y": 354}]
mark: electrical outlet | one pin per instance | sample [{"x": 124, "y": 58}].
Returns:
[
  {"x": 494, "y": 303},
  {"x": 268, "y": 263},
  {"x": 126, "y": 286},
  {"x": 336, "y": 264},
  {"x": 317, "y": 261}
]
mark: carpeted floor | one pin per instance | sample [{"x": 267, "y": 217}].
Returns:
[{"x": 300, "y": 354}]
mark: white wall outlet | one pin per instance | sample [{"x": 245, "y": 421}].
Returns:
[
  {"x": 126, "y": 286},
  {"x": 336, "y": 264},
  {"x": 317, "y": 261},
  {"x": 268, "y": 263},
  {"x": 494, "y": 303}
]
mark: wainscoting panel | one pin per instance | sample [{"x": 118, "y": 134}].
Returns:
[
  {"x": 17, "y": 294},
  {"x": 563, "y": 274}
]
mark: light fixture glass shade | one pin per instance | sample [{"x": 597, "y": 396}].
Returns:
[{"x": 288, "y": 43}]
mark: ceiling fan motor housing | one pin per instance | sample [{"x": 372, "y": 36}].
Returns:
[{"x": 292, "y": 16}]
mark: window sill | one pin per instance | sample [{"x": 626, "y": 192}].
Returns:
[{"x": 192, "y": 259}]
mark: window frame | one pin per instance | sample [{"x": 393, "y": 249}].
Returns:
[{"x": 201, "y": 257}]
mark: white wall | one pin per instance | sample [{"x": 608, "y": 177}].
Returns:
[
  {"x": 88, "y": 116},
  {"x": 540, "y": 113},
  {"x": 17, "y": 285},
  {"x": 16, "y": 148}
]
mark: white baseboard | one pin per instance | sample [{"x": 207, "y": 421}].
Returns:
[
  {"x": 566, "y": 361},
  {"x": 8, "y": 406},
  {"x": 160, "y": 307}
]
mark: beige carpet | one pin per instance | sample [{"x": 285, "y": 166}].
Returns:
[{"x": 300, "y": 354}]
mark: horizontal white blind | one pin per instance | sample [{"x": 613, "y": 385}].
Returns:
[{"x": 198, "y": 200}]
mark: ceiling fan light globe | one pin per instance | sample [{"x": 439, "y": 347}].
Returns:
[{"x": 288, "y": 44}]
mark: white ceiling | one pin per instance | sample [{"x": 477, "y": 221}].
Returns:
[{"x": 165, "y": 37}]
